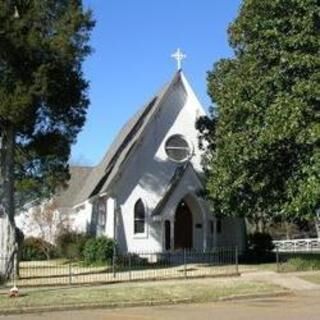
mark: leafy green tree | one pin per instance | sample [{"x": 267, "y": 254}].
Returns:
[
  {"x": 265, "y": 162},
  {"x": 43, "y": 100}
]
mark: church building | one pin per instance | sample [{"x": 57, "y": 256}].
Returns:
[{"x": 145, "y": 193}]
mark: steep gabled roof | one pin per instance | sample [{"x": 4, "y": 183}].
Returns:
[
  {"x": 173, "y": 184},
  {"x": 66, "y": 198},
  {"x": 102, "y": 175}
]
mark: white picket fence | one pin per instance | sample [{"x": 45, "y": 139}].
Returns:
[{"x": 298, "y": 245}]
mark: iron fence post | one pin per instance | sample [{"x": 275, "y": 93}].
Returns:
[
  {"x": 185, "y": 263},
  {"x": 237, "y": 260},
  {"x": 114, "y": 264},
  {"x": 278, "y": 259},
  {"x": 14, "y": 270},
  {"x": 130, "y": 271},
  {"x": 70, "y": 273}
]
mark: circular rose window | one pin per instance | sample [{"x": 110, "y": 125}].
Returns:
[{"x": 178, "y": 149}]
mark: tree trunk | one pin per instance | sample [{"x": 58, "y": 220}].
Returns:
[
  {"x": 317, "y": 223},
  {"x": 8, "y": 238},
  {"x": 8, "y": 248},
  {"x": 261, "y": 225},
  {"x": 288, "y": 231}
]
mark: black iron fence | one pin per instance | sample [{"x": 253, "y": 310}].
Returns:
[{"x": 139, "y": 266}]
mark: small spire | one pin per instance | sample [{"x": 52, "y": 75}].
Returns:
[{"x": 179, "y": 56}]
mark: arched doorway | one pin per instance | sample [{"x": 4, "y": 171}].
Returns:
[{"x": 183, "y": 227}]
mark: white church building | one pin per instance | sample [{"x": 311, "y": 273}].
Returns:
[{"x": 145, "y": 193}]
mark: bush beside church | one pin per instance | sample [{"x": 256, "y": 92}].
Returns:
[{"x": 69, "y": 245}]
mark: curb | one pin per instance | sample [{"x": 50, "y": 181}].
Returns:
[{"x": 116, "y": 305}]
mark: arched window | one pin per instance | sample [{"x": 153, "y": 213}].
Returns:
[
  {"x": 219, "y": 225},
  {"x": 139, "y": 217},
  {"x": 102, "y": 213},
  {"x": 167, "y": 228}
]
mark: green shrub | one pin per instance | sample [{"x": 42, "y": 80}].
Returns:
[
  {"x": 260, "y": 243},
  {"x": 99, "y": 250},
  {"x": 71, "y": 244},
  {"x": 303, "y": 263},
  {"x": 37, "y": 249},
  {"x": 2, "y": 279}
]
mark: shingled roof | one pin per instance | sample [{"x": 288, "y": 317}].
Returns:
[
  {"x": 101, "y": 176},
  {"x": 66, "y": 198},
  {"x": 173, "y": 184}
]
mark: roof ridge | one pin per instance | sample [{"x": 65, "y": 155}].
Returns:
[
  {"x": 175, "y": 180},
  {"x": 99, "y": 175},
  {"x": 82, "y": 167},
  {"x": 155, "y": 106}
]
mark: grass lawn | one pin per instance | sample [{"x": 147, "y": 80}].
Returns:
[
  {"x": 200, "y": 290},
  {"x": 60, "y": 272},
  {"x": 292, "y": 262},
  {"x": 258, "y": 267},
  {"x": 314, "y": 278}
]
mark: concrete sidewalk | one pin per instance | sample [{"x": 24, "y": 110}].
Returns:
[{"x": 289, "y": 281}]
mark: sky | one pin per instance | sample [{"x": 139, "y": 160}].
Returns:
[{"x": 133, "y": 41}]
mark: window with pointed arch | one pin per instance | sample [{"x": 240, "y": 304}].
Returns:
[
  {"x": 102, "y": 213},
  {"x": 139, "y": 217}
]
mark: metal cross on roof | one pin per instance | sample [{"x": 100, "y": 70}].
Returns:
[{"x": 179, "y": 56}]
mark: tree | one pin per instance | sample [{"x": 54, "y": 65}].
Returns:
[
  {"x": 265, "y": 162},
  {"x": 43, "y": 101},
  {"x": 46, "y": 222}
]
